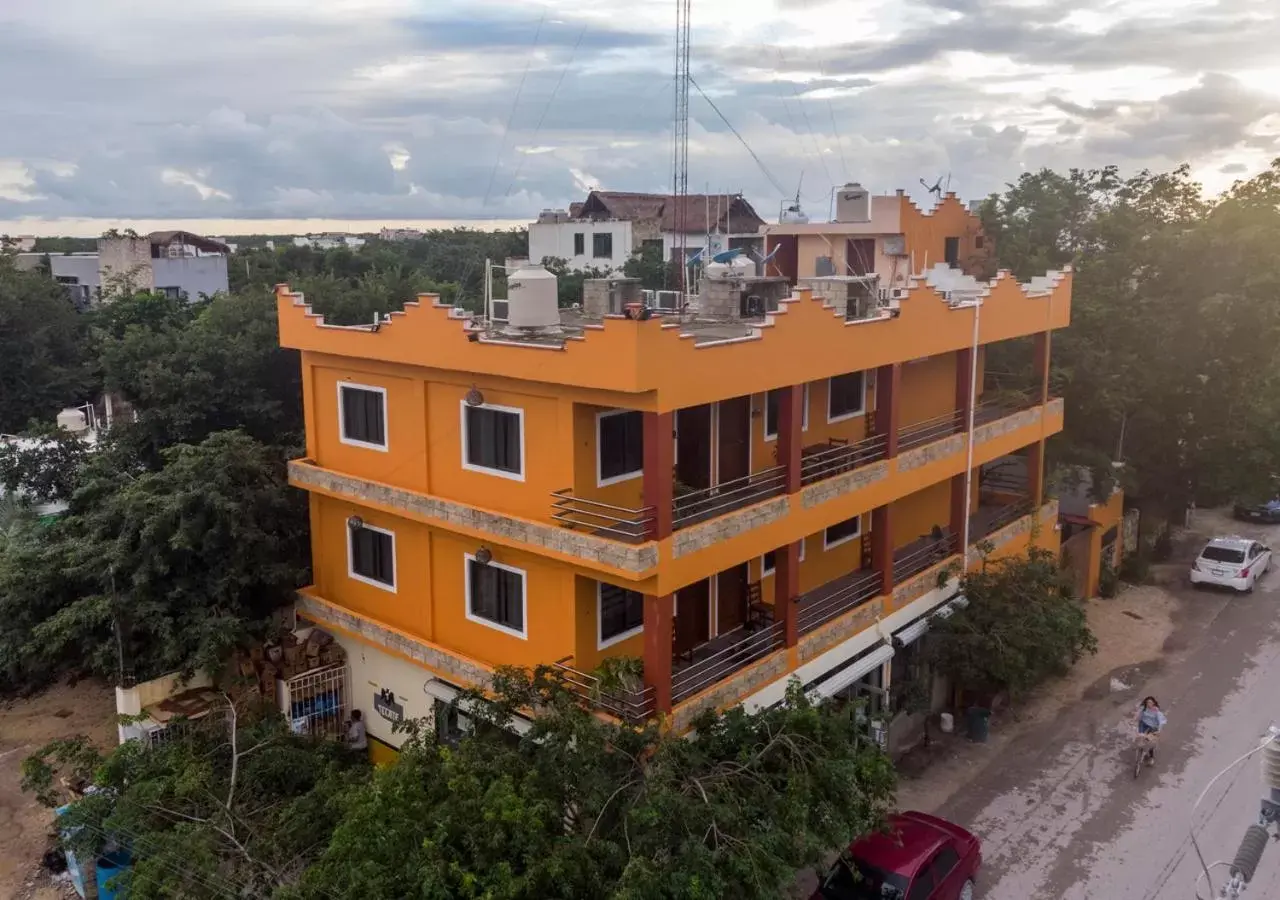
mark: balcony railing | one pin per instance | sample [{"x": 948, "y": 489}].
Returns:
[
  {"x": 601, "y": 518},
  {"x": 914, "y": 558},
  {"x": 820, "y": 463},
  {"x": 920, "y": 433},
  {"x": 628, "y": 705},
  {"x": 990, "y": 519},
  {"x": 707, "y": 503},
  {"x": 997, "y": 404},
  {"x": 722, "y": 656},
  {"x": 835, "y": 598}
]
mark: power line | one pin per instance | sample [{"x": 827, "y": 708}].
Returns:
[
  {"x": 502, "y": 148},
  {"x": 537, "y": 130},
  {"x": 813, "y": 137},
  {"x": 763, "y": 168}
]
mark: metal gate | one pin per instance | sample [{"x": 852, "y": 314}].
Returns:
[{"x": 318, "y": 702}]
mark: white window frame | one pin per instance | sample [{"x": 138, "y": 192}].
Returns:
[
  {"x": 765, "y": 573},
  {"x": 468, "y": 559},
  {"x": 601, "y": 641},
  {"x": 351, "y": 558},
  {"x": 844, "y": 417},
  {"x": 342, "y": 418},
  {"x": 601, "y": 481},
  {"x": 827, "y": 545},
  {"x": 485, "y": 470},
  {"x": 804, "y": 414}
]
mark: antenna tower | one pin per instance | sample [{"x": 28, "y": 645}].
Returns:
[{"x": 680, "y": 146}]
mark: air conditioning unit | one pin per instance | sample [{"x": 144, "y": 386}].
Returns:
[{"x": 499, "y": 310}]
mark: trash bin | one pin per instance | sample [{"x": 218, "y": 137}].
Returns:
[
  {"x": 979, "y": 719},
  {"x": 109, "y": 866}
]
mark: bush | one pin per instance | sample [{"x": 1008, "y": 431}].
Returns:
[
  {"x": 1135, "y": 568},
  {"x": 1108, "y": 580}
]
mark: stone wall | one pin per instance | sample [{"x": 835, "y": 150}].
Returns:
[
  {"x": 922, "y": 456},
  {"x": 846, "y": 483},
  {"x": 630, "y": 558},
  {"x": 459, "y": 669},
  {"x": 851, "y": 623},
  {"x": 916, "y": 587},
  {"x": 730, "y": 691},
  {"x": 993, "y": 430},
  {"x": 722, "y": 528}
]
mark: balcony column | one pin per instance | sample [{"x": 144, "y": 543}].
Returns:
[
  {"x": 790, "y": 423},
  {"x": 658, "y": 637},
  {"x": 659, "y": 473},
  {"x": 1040, "y": 367},
  {"x": 882, "y": 546},
  {"x": 964, "y": 377},
  {"x": 786, "y": 587},
  {"x": 888, "y": 382},
  {"x": 1035, "y": 474}
]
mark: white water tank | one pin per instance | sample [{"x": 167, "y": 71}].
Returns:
[
  {"x": 853, "y": 203},
  {"x": 532, "y": 298},
  {"x": 793, "y": 215},
  {"x": 738, "y": 266},
  {"x": 73, "y": 420}
]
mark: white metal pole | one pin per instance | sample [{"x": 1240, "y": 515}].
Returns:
[
  {"x": 488, "y": 291},
  {"x": 973, "y": 405}
]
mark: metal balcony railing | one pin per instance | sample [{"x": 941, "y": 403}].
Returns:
[
  {"x": 835, "y": 598},
  {"x": 739, "y": 650},
  {"x": 629, "y": 706},
  {"x": 618, "y": 522},
  {"x": 920, "y": 433},
  {"x": 819, "y": 464},
  {"x": 988, "y": 520},
  {"x": 707, "y": 503},
  {"x": 916, "y": 557}
]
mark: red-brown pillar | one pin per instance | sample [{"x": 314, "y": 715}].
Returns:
[
  {"x": 1040, "y": 366},
  {"x": 964, "y": 381},
  {"x": 786, "y": 588},
  {"x": 888, "y": 382},
  {"x": 959, "y": 506},
  {"x": 790, "y": 422},
  {"x": 658, "y": 634},
  {"x": 882, "y": 546},
  {"x": 659, "y": 472}
]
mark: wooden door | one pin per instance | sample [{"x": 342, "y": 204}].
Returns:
[
  {"x": 693, "y": 616},
  {"x": 860, "y": 256},
  {"x": 693, "y": 446},
  {"x": 735, "y": 439},
  {"x": 731, "y": 598}
]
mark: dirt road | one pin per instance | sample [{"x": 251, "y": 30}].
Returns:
[
  {"x": 1058, "y": 808},
  {"x": 25, "y": 725}
]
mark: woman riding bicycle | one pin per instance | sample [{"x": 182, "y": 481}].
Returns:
[{"x": 1150, "y": 720}]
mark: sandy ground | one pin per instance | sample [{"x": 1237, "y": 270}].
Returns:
[{"x": 25, "y": 725}]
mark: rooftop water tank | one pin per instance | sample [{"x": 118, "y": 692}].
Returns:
[
  {"x": 739, "y": 265},
  {"x": 853, "y": 203},
  {"x": 793, "y": 215},
  {"x": 532, "y": 298},
  {"x": 73, "y": 420}
]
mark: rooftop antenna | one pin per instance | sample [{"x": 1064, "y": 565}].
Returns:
[
  {"x": 792, "y": 213},
  {"x": 935, "y": 188},
  {"x": 680, "y": 145}
]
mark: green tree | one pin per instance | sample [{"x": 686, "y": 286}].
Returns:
[
  {"x": 46, "y": 466},
  {"x": 1021, "y": 627},
  {"x": 45, "y": 347},
  {"x": 169, "y": 569}
]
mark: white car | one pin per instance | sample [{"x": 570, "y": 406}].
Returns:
[{"x": 1234, "y": 562}]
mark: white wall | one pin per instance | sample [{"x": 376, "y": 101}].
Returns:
[
  {"x": 555, "y": 239},
  {"x": 195, "y": 275},
  {"x": 372, "y": 671},
  {"x": 719, "y": 242},
  {"x": 84, "y": 268}
]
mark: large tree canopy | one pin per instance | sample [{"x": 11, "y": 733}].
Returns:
[{"x": 574, "y": 808}]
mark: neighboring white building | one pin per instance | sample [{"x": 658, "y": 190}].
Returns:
[
  {"x": 329, "y": 241},
  {"x": 400, "y": 234},
  {"x": 609, "y": 227},
  {"x": 177, "y": 263}
]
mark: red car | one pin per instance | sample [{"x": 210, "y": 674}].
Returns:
[{"x": 921, "y": 857}]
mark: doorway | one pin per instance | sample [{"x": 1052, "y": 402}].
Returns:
[
  {"x": 693, "y": 447},
  {"x": 731, "y": 599},
  {"x": 735, "y": 439},
  {"x": 860, "y": 256},
  {"x": 693, "y": 620}
]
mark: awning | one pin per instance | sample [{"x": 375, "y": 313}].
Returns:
[
  {"x": 447, "y": 693},
  {"x": 845, "y": 677},
  {"x": 916, "y": 630}
]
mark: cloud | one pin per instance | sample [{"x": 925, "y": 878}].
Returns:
[{"x": 377, "y": 109}]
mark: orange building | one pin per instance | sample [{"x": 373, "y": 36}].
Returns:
[{"x": 761, "y": 484}]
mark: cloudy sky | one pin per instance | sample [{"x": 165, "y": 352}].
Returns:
[{"x": 397, "y": 110}]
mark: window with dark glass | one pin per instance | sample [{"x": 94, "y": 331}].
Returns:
[
  {"x": 493, "y": 439},
  {"x": 771, "y": 411},
  {"x": 497, "y": 595},
  {"x": 951, "y": 251},
  {"x": 847, "y": 395},
  {"x": 363, "y": 415},
  {"x": 770, "y": 561},
  {"x": 621, "y": 444},
  {"x": 621, "y": 611},
  {"x": 602, "y": 245},
  {"x": 579, "y": 244},
  {"x": 373, "y": 555},
  {"x": 843, "y": 530}
]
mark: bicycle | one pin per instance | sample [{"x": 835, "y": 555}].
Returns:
[{"x": 1145, "y": 750}]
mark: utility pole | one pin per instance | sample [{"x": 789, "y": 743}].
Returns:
[{"x": 680, "y": 148}]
